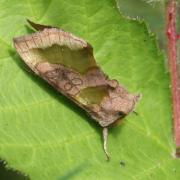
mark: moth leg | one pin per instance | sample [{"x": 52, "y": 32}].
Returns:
[
  {"x": 38, "y": 27},
  {"x": 105, "y": 135},
  {"x": 135, "y": 113}
]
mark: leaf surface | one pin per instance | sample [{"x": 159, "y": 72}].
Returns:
[{"x": 46, "y": 136}]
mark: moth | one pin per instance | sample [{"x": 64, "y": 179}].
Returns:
[{"x": 67, "y": 63}]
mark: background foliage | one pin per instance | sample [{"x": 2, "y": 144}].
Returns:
[{"x": 45, "y": 136}]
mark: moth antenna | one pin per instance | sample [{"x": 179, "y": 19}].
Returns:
[
  {"x": 38, "y": 27},
  {"x": 105, "y": 135}
]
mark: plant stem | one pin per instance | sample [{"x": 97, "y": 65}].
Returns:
[{"x": 172, "y": 37}]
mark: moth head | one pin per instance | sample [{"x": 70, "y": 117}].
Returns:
[
  {"x": 120, "y": 101},
  {"x": 124, "y": 106},
  {"x": 127, "y": 104}
]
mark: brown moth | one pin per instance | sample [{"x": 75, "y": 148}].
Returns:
[{"x": 67, "y": 63}]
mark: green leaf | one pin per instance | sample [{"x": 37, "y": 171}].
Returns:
[
  {"x": 152, "y": 11},
  {"x": 47, "y": 137}
]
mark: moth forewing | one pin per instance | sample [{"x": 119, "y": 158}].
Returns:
[{"x": 67, "y": 63}]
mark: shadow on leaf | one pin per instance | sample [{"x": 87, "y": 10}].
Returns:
[
  {"x": 74, "y": 172},
  {"x": 9, "y": 174}
]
